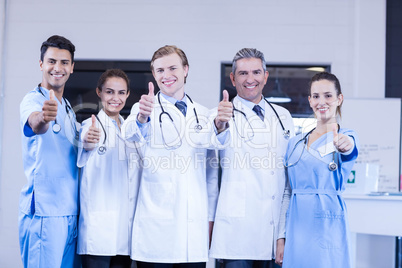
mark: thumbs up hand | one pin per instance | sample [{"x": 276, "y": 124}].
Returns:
[
  {"x": 146, "y": 104},
  {"x": 225, "y": 112},
  {"x": 49, "y": 108},
  {"x": 341, "y": 142},
  {"x": 91, "y": 138}
]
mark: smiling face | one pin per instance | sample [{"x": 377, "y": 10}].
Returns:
[
  {"x": 56, "y": 68},
  {"x": 170, "y": 74},
  {"x": 113, "y": 95},
  {"x": 324, "y": 100},
  {"x": 249, "y": 79}
]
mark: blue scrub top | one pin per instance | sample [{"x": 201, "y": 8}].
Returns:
[
  {"x": 49, "y": 160},
  {"x": 317, "y": 232}
]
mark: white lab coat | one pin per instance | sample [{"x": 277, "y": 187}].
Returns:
[
  {"x": 253, "y": 180},
  {"x": 108, "y": 192},
  {"x": 178, "y": 189}
]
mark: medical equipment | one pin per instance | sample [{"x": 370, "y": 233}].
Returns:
[
  {"x": 286, "y": 132},
  {"x": 56, "y": 126},
  {"x": 332, "y": 166},
  {"x": 197, "y": 127},
  {"x": 102, "y": 149}
]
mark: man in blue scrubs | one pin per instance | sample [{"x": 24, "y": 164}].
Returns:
[{"x": 48, "y": 202}]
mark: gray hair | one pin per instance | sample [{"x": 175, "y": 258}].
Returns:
[{"x": 248, "y": 53}]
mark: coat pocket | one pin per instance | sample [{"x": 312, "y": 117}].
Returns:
[
  {"x": 157, "y": 200},
  {"x": 102, "y": 232},
  {"x": 232, "y": 199},
  {"x": 330, "y": 229}
]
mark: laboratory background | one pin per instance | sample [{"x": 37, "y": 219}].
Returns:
[{"x": 358, "y": 40}]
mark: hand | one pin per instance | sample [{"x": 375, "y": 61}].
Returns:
[
  {"x": 280, "y": 248},
  {"x": 146, "y": 104},
  {"x": 92, "y": 136},
  {"x": 49, "y": 108},
  {"x": 225, "y": 112},
  {"x": 341, "y": 142}
]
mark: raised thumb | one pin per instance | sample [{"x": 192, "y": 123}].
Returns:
[
  {"x": 225, "y": 95},
  {"x": 151, "y": 89},
  {"x": 93, "y": 121},
  {"x": 51, "y": 94},
  {"x": 335, "y": 130}
]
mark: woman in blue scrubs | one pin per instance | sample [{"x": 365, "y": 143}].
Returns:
[{"x": 318, "y": 165}]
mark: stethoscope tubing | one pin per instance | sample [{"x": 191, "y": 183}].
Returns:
[
  {"x": 197, "y": 127},
  {"x": 332, "y": 166},
  {"x": 56, "y": 126},
  {"x": 164, "y": 112},
  {"x": 102, "y": 149},
  {"x": 286, "y": 132}
]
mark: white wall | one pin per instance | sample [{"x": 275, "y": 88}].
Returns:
[{"x": 348, "y": 34}]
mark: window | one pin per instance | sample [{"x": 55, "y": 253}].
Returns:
[
  {"x": 284, "y": 80},
  {"x": 80, "y": 88}
]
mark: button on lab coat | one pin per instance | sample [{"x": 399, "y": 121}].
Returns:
[
  {"x": 178, "y": 193},
  {"x": 108, "y": 193},
  {"x": 253, "y": 180}
]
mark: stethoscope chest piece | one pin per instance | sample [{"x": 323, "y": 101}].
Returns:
[
  {"x": 332, "y": 166},
  {"x": 286, "y": 134},
  {"x": 197, "y": 128},
  {"x": 102, "y": 150},
  {"x": 56, "y": 128}
]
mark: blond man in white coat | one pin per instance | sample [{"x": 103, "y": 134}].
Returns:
[
  {"x": 253, "y": 176},
  {"x": 179, "y": 187}
]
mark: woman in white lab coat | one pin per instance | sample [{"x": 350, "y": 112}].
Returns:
[{"x": 108, "y": 184}]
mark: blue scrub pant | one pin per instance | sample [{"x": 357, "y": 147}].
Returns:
[{"x": 48, "y": 241}]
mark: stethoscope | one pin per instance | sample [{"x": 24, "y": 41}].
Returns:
[
  {"x": 56, "y": 126},
  {"x": 332, "y": 166},
  {"x": 197, "y": 127},
  {"x": 286, "y": 132},
  {"x": 102, "y": 149}
]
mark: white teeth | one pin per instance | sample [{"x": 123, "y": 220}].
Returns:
[
  {"x": 169, "y": 83},
  {"x": 251, "y": 87},
  {"x": 58, "y": 75},
  {"x": 114, "y": 104}
]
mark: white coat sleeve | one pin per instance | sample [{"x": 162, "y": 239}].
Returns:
[
  {"x": 130, "y": 130},
  {"x": 222, "y": 140},
  {"x": 84, "y": 155},
  {"x": 212, "y": 166}
]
